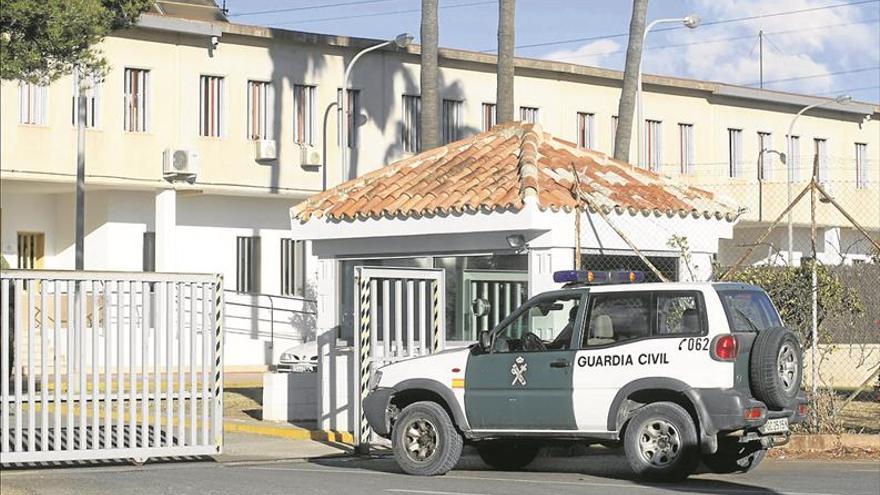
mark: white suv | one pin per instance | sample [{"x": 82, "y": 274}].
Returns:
[{"x": 676, "y": 372}]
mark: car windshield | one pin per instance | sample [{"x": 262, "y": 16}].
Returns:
[{"x": 749, "y": 310}]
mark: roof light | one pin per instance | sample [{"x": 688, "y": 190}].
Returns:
[{"x": 597, "y": 277}]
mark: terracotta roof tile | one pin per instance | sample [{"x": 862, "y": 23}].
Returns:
[{"x": 500, "y": 169}]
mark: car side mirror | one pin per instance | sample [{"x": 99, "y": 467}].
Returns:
[{"x": 485, "y": 340}]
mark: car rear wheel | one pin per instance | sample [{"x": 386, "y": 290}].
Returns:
[
  {"x": 661, "y": 442},
  {"x": 775, "y": 368},
  {"x": 507, "y": 456},
  {"x": 424, "y": 440},
  {"x": 735, "y": 457}
]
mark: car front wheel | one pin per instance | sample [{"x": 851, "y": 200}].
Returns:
[
  {"x": 424, "y": 440},
  {"x": 661, "y": 442}
]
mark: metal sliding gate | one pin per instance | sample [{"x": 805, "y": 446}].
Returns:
[
  {"x": 401, "y": 314},
  {"x": 110, "y": 365}
]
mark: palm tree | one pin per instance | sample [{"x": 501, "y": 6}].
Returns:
[
  {"x": 504, "y": 79},
  {"x": 626, "y": 106},
  {"x": 430, "y": 77}
]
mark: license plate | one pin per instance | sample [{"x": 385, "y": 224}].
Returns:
[{"x": 778, "y": 425}]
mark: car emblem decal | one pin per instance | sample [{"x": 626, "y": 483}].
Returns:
[{"x": 518, "y": 370}]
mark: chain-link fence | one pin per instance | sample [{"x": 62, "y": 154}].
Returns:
[{"x": 840, "y": 232}]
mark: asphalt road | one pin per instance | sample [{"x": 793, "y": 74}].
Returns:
[{"x": 586, "y": 475}]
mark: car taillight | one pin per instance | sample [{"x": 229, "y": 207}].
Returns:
[
  {"x": 803, "y": 409},
  {"x": 725, "y": 348},
  {"x": 753, "y": 413}
]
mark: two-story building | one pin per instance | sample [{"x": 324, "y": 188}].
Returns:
[{"x": 248, "y": 115}]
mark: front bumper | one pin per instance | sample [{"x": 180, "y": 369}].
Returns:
[{"x": 375, "y": 409}]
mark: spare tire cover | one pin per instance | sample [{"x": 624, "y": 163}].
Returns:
[{"x": 775, "y": 367}]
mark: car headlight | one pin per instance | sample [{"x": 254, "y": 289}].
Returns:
[
  {"x": 287, "y": 356},
  {"x": 375, "y": 378}
]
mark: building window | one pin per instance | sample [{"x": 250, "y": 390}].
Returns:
[
  {"x": 861, "y": 165},
  {"x": 586, "y": 129},
  {"x": 353, "y": 111},
  {"x": 686, "y": 148},
  {"x": 304, "y": 114},
  {"x": 529, "y": 114},
  {"x": 34, "y": 100},
  {"x": 247, "y": 264},
  {"x": 820, "y": 150},
  {"x": 92, "y": 86},
  {"x": 259, "y": 125},
  {"x": 137, "y": 91},
  {"x": 411, "y": 131},
  {"x": 292, "y": 268},
  {"x": 794, "y": 158},
  {"x": 652, "y": 145},
  {"x": 614, "y": 121},
  {"x": 765, "y": 164},
  {"x": 210, "y": 106},
  {"x": 451, "y": 119},
  {"x": 489, "y": 117},
  {"x": 734, "y": 153},
  {"x": 31, "y": 250}
]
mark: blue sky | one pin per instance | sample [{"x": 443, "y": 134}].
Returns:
[{"x": 821, "y": 47}]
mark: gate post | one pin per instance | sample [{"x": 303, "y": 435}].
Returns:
[{"x": 362, "y": 360}]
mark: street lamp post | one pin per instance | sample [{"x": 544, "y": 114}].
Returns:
[
  {"x": 692, "y": 21},
  {"x": 402, "y": 41},
  {"x": 840, "y": 100}
]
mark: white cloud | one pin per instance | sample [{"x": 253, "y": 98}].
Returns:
[
  {"x": 597, "y": 53},
  {"x": 796, "y": 45}
]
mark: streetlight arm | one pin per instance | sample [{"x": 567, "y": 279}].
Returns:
[{"x": 340, "y": 108}]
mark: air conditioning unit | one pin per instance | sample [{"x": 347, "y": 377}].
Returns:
[
  {"x": 309, "y": 156},
  {"x": 180, "y": 162},
  {"x": 265, "y": 149}
]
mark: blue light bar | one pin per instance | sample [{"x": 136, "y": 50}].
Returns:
[{"x": 598, "y": 277}]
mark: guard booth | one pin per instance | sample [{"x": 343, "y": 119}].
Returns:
[{"x": 490, "y": 217}]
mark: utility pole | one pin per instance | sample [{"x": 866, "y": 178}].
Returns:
[
  {"x": 80, "y": 169},
  {"x": 761, "y": 58}
]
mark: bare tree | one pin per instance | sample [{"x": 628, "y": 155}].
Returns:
[
  {"x": 504, "y": 79},
  {"x": 430, "y": 77},
  {"x": 626, "y": 106}
]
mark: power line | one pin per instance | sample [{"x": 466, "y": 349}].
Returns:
[
  {"x": 849, "y": 90},
  {"x": 309, "y": 7},
  {"x": 381, "y": 14},
  {"x": 710, "y": 23},
  {"x": 732, "y": 38},
  {"x": 822, "y": 74}
]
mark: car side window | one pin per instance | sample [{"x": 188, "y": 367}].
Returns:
[
  {"x": 547, "y": 323},
  {"x": 618, "y": 317},
  {"x": 679, "y": 313}
]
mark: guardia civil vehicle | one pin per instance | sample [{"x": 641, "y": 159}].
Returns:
[{"x": 676, "y": 373}]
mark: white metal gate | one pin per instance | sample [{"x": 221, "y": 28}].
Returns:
[
  {"x": 110, "y": 365},
  {"x": 401, "y": 315}
]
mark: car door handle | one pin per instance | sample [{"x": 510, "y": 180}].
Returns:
[{"x": 562, "y": 363}]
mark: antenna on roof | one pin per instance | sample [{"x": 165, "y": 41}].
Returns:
[{"x": 224, "y": 9}]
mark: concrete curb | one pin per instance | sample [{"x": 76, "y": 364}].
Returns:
[
  {"x": 288, "y": 432},
  {"x": 832, "y": 442}
]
